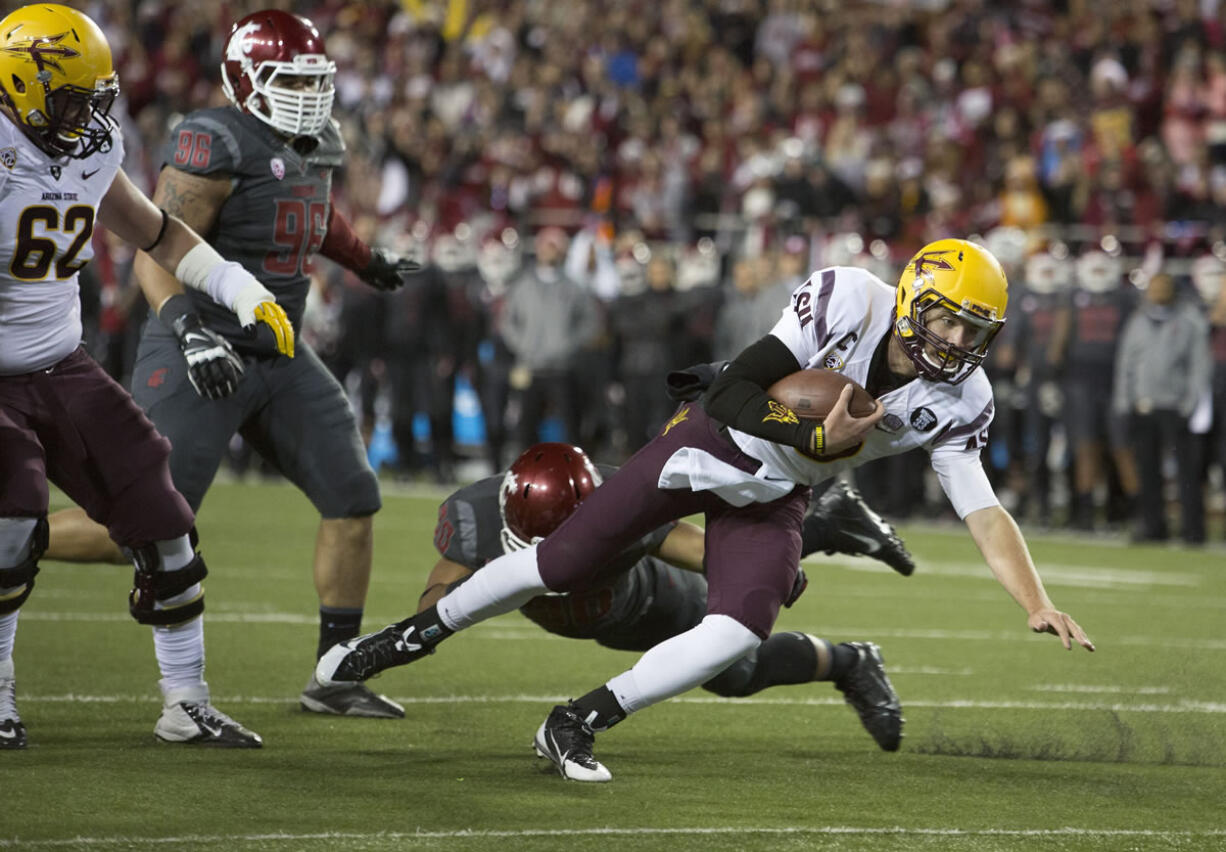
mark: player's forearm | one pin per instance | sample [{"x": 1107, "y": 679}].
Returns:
[
  {"x": 1003, "y": 547},
  {"x": 684, "y": 547},
  {"x": 342, "y": 245},
  {"x": 156, "y": 268},
  {"x": 155, "y": 281},
  {"x": 443, "y": 577},
  {"x": 738, "y": 395}
]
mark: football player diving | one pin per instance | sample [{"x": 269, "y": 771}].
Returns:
[
  {"x": 61, "y": 417},
  {"x": 654, "y": 589},
  {"x": 747, "y": 463},
  {"x": 256, "y": 177}
]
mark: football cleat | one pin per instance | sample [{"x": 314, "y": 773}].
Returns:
[
  {"x": 868, "y": 690},
  {"x": 12, "y": 734},
  {"x": 12, "y": 731},
  {"x": 844, "y": 523},
  {"x": 567, "y": 740},
  {"x": 188, "y": 717},
  {"x": 348, "y": 699},
  {"x": 365, "y": 656}
]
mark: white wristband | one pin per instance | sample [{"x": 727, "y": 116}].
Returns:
[{"x": 226, "y": 282}]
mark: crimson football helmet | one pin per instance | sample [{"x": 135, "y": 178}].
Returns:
[
  {"x": 541, "y": 490},
  {"x": 276, "y": 70}
]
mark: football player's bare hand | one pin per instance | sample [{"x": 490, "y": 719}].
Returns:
[
  {"x": 843, "y": 430},
  {"x": 273, "y": 316},
  {"x": 1060, "y": 624}
]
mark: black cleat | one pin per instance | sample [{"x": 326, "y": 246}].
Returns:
[
  {"x": 12, "y": 734},
  {"x": 868, "y": 690},
  {"x": 567, "y": 740},
  {"x": 189, "y": 717},
  {"x": 12, "y": 731},
  {"x": 348, "y": 699},
  {"x": 841, "y": 522},
  {"x": 364, "y": 657}
]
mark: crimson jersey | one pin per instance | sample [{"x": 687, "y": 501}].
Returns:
[
  {"x": 468, "y": 530},
  {"x": 276, "y": 217}
]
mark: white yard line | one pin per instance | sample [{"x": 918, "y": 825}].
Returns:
[
  {"x": 526, "y": 631},
  {"x": 1182, "y": 706},
  {"x": 833, "y": 830},
  {"x": 1106, "y": 688}
]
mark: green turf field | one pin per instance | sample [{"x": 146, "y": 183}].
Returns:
[{"x": 1011, "y": 742}]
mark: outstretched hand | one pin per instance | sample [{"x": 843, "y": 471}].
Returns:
[
  {"x": 388, "y": 270},
  {"x": 1060, "y": 624}
]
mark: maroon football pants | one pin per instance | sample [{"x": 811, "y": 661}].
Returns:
[
  {"x": 75, "y": 426},
  {"x": 752, "y": 552}
]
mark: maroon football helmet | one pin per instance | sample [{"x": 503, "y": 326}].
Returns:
[
  {"x": 275, "y": 69},
  {"x": 541, "y": 489}
]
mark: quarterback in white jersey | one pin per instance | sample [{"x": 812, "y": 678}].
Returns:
[
  {"x": 836, "y": 321},
  {"x": 745, "y": 461},
  {"x": 61, "y": 417}
]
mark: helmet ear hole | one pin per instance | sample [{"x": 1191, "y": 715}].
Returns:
[{"x": 18, "y": 85}]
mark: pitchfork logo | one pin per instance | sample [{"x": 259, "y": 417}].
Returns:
[
  {"x": 932, "y": 260},
  {"x": 44, "y": 51}
]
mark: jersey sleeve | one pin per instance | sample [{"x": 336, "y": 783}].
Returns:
[
  {"x": 203, "y": 144},
  {"x": 833, "y": 299},
  {"x": 955, "y": 456}
]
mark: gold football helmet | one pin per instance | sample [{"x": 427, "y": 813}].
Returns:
[
  {"x": 57, "y": 80},
  {"x": 964, "y": 280}
]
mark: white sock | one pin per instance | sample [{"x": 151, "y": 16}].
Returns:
[
  {"x": 180, "y": 653},
  {"x": 8, "y": 633},
  {"x": 683, "y": 662},
  {"x": 14, "y": 548},
  {"x": 179, "y": 649},
  {"x": 503, "y": 585}
]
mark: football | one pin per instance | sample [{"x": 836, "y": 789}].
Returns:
[{"x": 812, "y": 393}]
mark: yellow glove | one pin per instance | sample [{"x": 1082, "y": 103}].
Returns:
[{"x": 273, "y": 315}]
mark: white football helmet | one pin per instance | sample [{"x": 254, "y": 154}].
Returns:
[
  {"x": 1098, "y": 272},
  {"x": 1208, "y": 277},
  {"x": 1045, "y": 274}
]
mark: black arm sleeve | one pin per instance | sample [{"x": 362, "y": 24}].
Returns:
[{"x": 738, "y": 395}]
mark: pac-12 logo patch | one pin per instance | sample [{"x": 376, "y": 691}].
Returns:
[
  {"x": 278, "y": 167},
  {"x": 833, "y": 361},
  {"x": 8, "y": 157},
  {"x": 56, "y": 171},
  {"x": 890, "y": 423},
  {"x": 922, "y": 419}
]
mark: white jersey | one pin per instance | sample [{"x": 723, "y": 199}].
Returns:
[
  {"x": 835, "y": 321},
  {"x": 47, "y": 212}
]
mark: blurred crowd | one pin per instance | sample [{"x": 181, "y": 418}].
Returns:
[{"x": 604, "y": 191}]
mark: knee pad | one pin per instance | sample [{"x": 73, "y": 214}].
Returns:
[
  {"x": 152, "y": 584},
  {"x": 22, "y": 574}
]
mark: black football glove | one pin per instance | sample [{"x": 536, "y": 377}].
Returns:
[
  {"x": 798, "y": 587},
  {"x": 388, "y": 270},
  {"x": 212, "y": 364}
]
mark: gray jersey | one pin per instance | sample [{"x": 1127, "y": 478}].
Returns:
[
  {"x": 276, "y": 217},
  {"x": 468, "y": 533}
]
